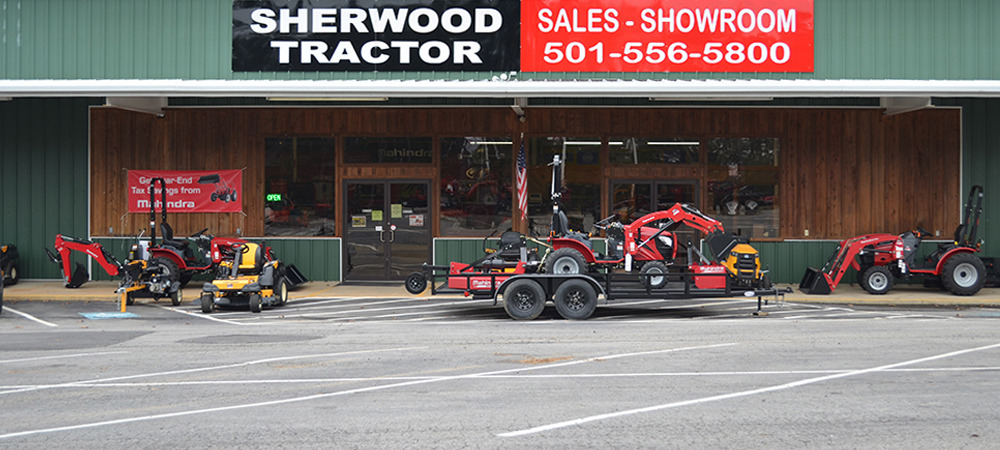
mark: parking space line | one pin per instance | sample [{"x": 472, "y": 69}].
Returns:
[
  {"x": 30, "y": 317},
  {"x": 41, "y": 358},
  {"x": 714, "y": 398},
  {"x": 345, "y": 392}
]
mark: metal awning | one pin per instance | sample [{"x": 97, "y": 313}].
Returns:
[{"x": 511, "y": 88}]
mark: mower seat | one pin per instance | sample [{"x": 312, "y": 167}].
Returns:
[
  {"x": 251, "y": 259},
  {"x": 512, "y": 246}
]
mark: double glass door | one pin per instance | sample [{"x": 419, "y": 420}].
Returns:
[{"x": 388, "y": 229}]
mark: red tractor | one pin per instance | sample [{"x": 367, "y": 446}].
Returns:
[
  {"x": 651, "y": 249},
  {"x": 880, "y": 259}
]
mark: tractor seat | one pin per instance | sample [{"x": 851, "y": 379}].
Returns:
[
  {"x": 169, "y": 241},
  {"x": 511, "y": 243},
  {"x": 251, "y": 259}
]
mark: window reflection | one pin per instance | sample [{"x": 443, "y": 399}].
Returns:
[
  {"x": 581, "y": 181},
  {"x": 476, "y": 190},
  {"x": 299, "y": 187},
  {"x": 634, "y": 150},
  {"x": 743, "y": 184}
]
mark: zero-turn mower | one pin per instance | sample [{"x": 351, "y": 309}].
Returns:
[{"x": 251, "y": 280}]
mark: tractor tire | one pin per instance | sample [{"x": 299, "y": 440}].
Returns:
[
  {"x": 963, "y": 274},
  {"x": 416, "y": 282},
  {"x": 575, "y": 300},
  {"x": 281, "y": 291},
  {"x": 169, "y": 268},
  {"x": 207, "y": 302},
  {"x": 566, "y": 261},
  {"x": 129, "y": 299},
  {"x": 654, "y": 274},
  {"x": 877, "y": 280},
  {"x": 524, "y": 300},
  {"x": 256, "y": 302},
  {"x": 176, "y": 297}
]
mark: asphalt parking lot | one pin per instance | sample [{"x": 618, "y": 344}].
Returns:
[{"x": 395, "y": 371}]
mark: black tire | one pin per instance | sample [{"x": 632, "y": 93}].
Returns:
[
  {"x": 575, "y": 300},
  {"x": 176, "y": 297},
  {"x": 566, "y": 261},
  {"x": 281, "y": 291},
  {"x": 256, "y": 302},
  {"x": 963, "y": 274},
  {"x": 232, "y": 195},
  {"x": 168, "y": 267},
  {"x": 11, "y": 275},
  {"x": 129, "y": 299},
  {"x": 524, "y": 300},
  {"x": 654, "y": 274},
  {"x": 877, "y": 280},
  {"x": 214, "y": 196},
  {"x": 416, "y": 282},
  {"x": 186, "y": 277},
  {"x": 207, "y": 302}
]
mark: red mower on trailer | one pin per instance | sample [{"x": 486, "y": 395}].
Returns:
[{"x": 881, "y": 259}]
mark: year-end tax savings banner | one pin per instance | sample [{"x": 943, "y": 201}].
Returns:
[
  {"x": 667, "y": 36},
  {"x": 525, "y": 35},
  {"x": 188, "y": 191}
]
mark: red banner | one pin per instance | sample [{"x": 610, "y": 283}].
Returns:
[
  {"x": 188, "y": 191},
  {"x": 667, "y": 36}
]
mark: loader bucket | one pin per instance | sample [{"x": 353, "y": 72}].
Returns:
[
  {"x": 294, "y": 277},
  {"x": 815, "y": 282},
  {"x": 80, "y": 276}
]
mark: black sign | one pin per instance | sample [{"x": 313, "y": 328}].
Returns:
[{"x": 374, "y": 35}]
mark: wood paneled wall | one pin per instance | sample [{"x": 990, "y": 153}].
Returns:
[{"x": 842, "y": 171}]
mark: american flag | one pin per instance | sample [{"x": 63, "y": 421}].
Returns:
[{"x": 522, "y": 183}]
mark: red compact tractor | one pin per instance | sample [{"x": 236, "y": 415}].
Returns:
[
  {"x": 651, "y": 249},
  {"x": 880, "y": 259}
]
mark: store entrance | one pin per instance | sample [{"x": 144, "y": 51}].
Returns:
[{"x": 387, "y": 229}]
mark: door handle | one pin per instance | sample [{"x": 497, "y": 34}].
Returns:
[
  {"x": 381, "y": 236},
  {"x": 392, "y": 236}
]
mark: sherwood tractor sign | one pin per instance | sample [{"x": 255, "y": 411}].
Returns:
[{"x": 526, "y": 35}]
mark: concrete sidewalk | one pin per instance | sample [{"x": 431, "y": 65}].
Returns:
[{"x": 98, "y": 291}]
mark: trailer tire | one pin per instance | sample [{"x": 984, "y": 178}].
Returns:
[
  {"x": 524, "y": 300},
  {"x": 575, "y": 300},
  {"x": 566, "y": 261},
  {"x": 877, "y": 280},
  {"x": 416, "y": 282},
  {"x": 963, "y": 274},
  {"x": 654, "y": 274},
  {"x": 207, "y": 302}
]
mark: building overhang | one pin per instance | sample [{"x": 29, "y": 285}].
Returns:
[{"x": 513, "y": 88}]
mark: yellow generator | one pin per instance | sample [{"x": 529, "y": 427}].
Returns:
[{"x": 248, "y": 279}]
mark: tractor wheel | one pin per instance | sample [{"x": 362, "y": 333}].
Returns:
[
  {"x": 215, "y": 196},
  {"x": 524, "y": 300},
  {"x": 281, "y": 291},
  {"x": 963, "y": 274},
  {"x": 176, "y": 297},
  {"x": 256, "y": 302},
  {"x": 207, "y": 302},
  {"x": 416, "y": 282},
  {"x": 877, "y": 280},
  {"x": 575, "y": 300},
  {"x": 168, "y": 267},
  {"x": 11, "y": 274},
  {"x": 566, "y": 261},
  {"x": 654, "y": 274}
]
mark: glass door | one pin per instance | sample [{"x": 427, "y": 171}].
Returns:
[{"x": 388, "y": 229}]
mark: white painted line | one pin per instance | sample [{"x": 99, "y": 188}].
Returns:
[
  {"x": 345, "y": 392},
  {"x": 41, "y": 358},
  {"x": 768, "y": 373},
  {"x": 30, "y": 317},
  {"x": 225, "y": 366},
  {"x": 714, "y": 398}
]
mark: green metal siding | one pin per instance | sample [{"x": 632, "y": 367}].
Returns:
[
  {"x": 192, "y": 39},
  {"x": 43, "y": 177}
]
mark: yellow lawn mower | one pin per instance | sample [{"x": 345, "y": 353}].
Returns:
[{"x": 249, "y": 279}]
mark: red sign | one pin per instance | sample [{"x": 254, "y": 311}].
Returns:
[
  {"x": 188, "y": 191},
  {"x": 667, "y": 36}
]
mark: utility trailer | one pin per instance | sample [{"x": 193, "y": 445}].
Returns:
[{"x": 575, "y": 296}]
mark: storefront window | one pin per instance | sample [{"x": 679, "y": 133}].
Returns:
[
  {"x": 633, "y": 150},
  {"x": 476, "y": 185},
  {"x": 581, "y": 181},
  {"x": 299, "y": 187},
  {"x": 743, "y": 184},
  {"x": 388, "y": 150}
]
